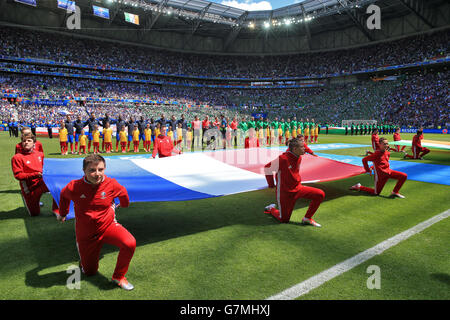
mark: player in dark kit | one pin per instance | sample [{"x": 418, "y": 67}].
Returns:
[
  {"x": 120, "y": 123},
  {"x": 78, "y": 125},
  {"x": 69, "y": 126},
  {"x": 91, "y": 123}
]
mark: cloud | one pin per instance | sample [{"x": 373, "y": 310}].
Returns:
[{"x": 248, "y": 5}]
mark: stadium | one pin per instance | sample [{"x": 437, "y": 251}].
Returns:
[{"x": 200, "y": 114}]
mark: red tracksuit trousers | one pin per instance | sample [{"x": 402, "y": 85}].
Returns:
[
  {"x": 287, "y": 200},
  {"x": 382, "y": 178},
  {"x": 31, "y": 199},
  {"x": 116, "y": 235}
]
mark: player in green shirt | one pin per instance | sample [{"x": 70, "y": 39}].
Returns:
[
  {"x": 242, "y": 131},
  {"x": 274, "y": 124},
  {"x": 251, "y": 123},
  {"x": 259, "y": 123}
]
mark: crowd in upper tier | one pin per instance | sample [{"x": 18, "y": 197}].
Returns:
[{"x": 62, "y": 48}]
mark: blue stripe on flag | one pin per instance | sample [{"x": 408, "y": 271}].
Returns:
[{"x": 141, "y": 185}]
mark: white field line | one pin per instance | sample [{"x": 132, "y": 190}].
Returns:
[{"x": 319, "y": 279}]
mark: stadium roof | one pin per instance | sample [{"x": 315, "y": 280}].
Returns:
[
  {"x": 307, "y": 6},
  {"x": 199, "y": 5}
]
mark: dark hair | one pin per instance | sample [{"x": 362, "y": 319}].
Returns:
[
  {"x": 295, "y": 142},
  {"x": 382, "y": 139},
  {"x": 92, "y": 158}
]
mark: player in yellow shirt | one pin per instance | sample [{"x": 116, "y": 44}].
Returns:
[
  {"x": 148, "y": 138},
  {"x": 96, "y": 139},
  {"x": 306, "y": 134},
  {"x": 63, "y": 138},
  {"x": 123, "y": 138},
  {"x": 287, "y": 135},
  {"x": 179, "y": 135},
  {"x": 170, "y": 134},
  {"x": 272, "y": 136},
  {"x": 157, "y": 130},
  {"x": 107, "y": 137},
  {"x": 189, "y": 137},
  {"x": 299, "y": 129},
  {"x": 280, "y": 134},
  {"x": 83, "y": 142},
  {"x": 135, "y": 135},
  {"x": 316, "y": 133}
]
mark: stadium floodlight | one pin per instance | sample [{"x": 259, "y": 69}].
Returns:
[
  {"x": 251, "y": 25},
  {"x": 267, "y": 25},
  {"x": 287, "y": 22}
]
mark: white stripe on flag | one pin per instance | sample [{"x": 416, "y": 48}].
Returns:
[{"x": 201, "y": 173}]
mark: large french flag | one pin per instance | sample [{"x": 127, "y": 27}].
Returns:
[{"x": 193, "y": 176}]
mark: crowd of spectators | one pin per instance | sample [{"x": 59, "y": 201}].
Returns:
[
  {"x": 417, "y": 99},
  {"x": 64, "y": 48}
]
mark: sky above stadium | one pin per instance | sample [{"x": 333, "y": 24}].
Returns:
[{"x": 256, "y": 5}]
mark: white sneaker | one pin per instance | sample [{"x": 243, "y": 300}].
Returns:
[
  {"x": 124, "y": 284},
  {"x": 310, "y": 222},
  {"x": 269, "y": 207},
  {"x": 398, "y": 195},
  {"x": 356, "y": 186}
]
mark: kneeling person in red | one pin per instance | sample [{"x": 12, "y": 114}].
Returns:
[
  {"x": 418, "y": 150},
  {"x": 163, "y": 146},
  {"x": 383, "y": 173},
  {"x": 95, "y": 218},
  {"x": 289, "y": 187},
  {"x": 27, "y": 166}
]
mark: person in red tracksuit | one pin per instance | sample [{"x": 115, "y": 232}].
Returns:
[
  {"x": 163, "y": 146},
  {"x": 289, "y": 187},
  {"x": 37, "y": 145},
  {"x": 27, "y": 167},
  {"x": 417, "y": 149},
  {"x": 95, "y": 218},
  {"x": 383, "y": 173},
  {"x": 398, "y": 138},
  {"x": 375, "y": 142}
]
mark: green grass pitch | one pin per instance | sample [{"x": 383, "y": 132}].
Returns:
[{"x": 227, "y": 248}]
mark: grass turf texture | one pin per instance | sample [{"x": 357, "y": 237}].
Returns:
[{"x": 227, "y": 248}]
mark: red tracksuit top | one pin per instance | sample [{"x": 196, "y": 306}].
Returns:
[
  {"x": 380, "y": 160},
  {"x": 163, "y": 146},
  {"x": 397, "y": 136},
  {"x": 287, "y": 168},
  {"x": 416, "y": 141},
  {"x": 375, "y": 142},
  {"x": 93, "y": 205},
  {"x": 37, "y": 147},
  {"x": 26, "y": 167}
]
